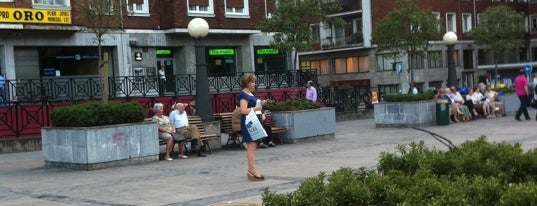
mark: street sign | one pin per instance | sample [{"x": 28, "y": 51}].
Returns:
[
  {"x": 399, "y": 69},
  {"x": 528, "y": 69}
]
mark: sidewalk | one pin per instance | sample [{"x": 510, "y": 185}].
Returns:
[{"x": 221, "y": 177}]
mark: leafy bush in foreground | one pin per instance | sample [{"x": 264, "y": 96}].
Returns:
[{"x": 477, "y": 173}]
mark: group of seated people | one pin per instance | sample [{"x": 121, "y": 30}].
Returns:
[
  {"x": 176, "y": 124},
  {"x": 480, "y": 102}
]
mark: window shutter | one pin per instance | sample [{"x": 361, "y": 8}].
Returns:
[
  {"x": 235, "y": 3},
  {"x": 136, "y": 1},
  {"x": 198, "y": 2}
]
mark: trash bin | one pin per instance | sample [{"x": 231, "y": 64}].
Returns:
[{"x": 442, "y": 112}]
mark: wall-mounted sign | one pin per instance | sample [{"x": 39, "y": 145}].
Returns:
[
  {"x": 221, "y": 52},
  {"x": 38, "y": 16},
  {"x": 267, "y": 51},
  {"x": 138, "y": 56},
  {"x": 163, "y": 52}
]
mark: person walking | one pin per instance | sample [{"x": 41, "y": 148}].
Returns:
[
  {"x": 311, "y": 92},
  {"x": 521, "y": 89},
  {"x": 248, "y": 102}
]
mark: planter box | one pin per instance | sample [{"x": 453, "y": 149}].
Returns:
[
  {"x": 510, "y": 102},
  {"x": 306, "y": 124},
  {"x": 89, "y": 148},
  {"x": 405, "y": 113}
]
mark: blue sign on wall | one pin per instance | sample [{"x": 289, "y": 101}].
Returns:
[{"x": 399, "y": 69}]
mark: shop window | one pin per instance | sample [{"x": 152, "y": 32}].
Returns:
[
  {"x": 138, "y": 7},
  {"x": 236, "y": 7},
  {"x": 269, "y": 60},
  {"x": 221, "y": 61},
  {"x": 200, "y": 7}
]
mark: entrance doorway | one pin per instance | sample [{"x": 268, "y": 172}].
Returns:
[{"x": 168, "y": 70}]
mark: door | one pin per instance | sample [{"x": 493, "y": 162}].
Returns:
[{"x": 168, "y": 70}]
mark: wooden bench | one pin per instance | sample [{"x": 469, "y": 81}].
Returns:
[
  {"x": 205, "y": 137},
  {"x": 235, "y": 136}
]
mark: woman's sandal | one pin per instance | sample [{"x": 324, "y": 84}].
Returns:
[{"x": 252, "y": 177}]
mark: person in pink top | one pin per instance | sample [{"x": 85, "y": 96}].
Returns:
[{"x": 521, "y": 89}]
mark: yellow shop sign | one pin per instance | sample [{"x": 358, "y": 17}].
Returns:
[{"x": 37, "y": 16}]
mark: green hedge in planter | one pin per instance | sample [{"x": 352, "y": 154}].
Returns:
[
  {"x": 477, "y": 173},
  {"x": 96, "y": 114},
  {"x": 291, "y": 105},
  {"x": 409, "y": 97}
]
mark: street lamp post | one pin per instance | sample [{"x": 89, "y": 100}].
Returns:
[
  {"x": 198, "y": 28},
  {"x": 450, "y": 38}
]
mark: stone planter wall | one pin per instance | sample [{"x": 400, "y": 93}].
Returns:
[
  {"x": 510, "y": 102},
  {"x": 89, "y": 148},
  {"x": 405, "y": 113},
  {"x": 306, "y": 124}
]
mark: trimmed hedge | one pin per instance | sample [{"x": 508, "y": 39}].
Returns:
[
  {"x": 291, "y": 105},
  {"x": 409, "y": 97},
  {"x": 478, "y": 173},
  {"x": 97, "y": 114}
]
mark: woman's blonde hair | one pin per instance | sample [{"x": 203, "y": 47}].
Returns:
[{"x": 246, "y": 79}]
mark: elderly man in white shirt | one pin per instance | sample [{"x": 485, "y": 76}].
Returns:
[{"x": 179, "y": 120}]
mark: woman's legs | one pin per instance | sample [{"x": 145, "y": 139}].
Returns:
[
  {"x": 169, "y": 146},
  {"x": 250, "y": 155}
]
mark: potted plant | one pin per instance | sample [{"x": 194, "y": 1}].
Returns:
[
  {"x": 95, "y": 135},
  {"x": 303, "y": 119},
  {"x": 406, "y": 110}
]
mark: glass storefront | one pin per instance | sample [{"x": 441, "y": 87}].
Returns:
[
  {"x": 68, "y": 61},
  {"x": 269, "y": 60},
  {"x": 221, "y": 61}
]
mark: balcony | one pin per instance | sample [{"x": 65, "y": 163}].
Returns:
[{"x": 354, "y": 40}]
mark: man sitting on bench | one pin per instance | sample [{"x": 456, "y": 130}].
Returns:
[{"x": 179, "y": 120}]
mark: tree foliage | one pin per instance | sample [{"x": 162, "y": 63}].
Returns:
[
  {"x": 101, "y": 17},
  {"x": 500, "y": 29},
  {"x": 408, "y": 28},
  {"x": 291, "y": 22}
]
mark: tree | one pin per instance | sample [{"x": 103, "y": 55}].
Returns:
[
  {"x": 291, "y": 23},
  {"x": 102, "y": 17},
  {"x": 406, "y": 30},
  {"x": 499, "y": 30}
]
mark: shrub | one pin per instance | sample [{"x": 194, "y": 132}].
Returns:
[
  {"x": 291, "y": 105},
  {"x": 96, "y": 114},
  {"x": 409, "y": 97},
  {"x": 477, "y": 173}
]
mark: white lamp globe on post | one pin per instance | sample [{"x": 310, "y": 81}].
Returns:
[
  {"x": 198, "y": 28},
  {"x": 450, "y": 39}
]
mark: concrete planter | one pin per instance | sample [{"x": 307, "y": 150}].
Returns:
[
  {"x": 510, "y": 102},
  {"x": 89, "y": 148},
  {"x": 306, "y": 124},
  {"x": 388, "y": 114}
]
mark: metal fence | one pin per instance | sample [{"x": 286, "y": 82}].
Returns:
[{"x": 86, "y": 88}]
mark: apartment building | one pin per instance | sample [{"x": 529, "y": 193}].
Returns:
[
  {"x": 345, "y": 56},
  {"x": 47, "y": 39}
]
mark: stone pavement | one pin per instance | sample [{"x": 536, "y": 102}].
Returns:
[{"x": 221, "y": 177}]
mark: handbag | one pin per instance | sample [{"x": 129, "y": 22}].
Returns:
[
  {"x": 178, "y": 137},
  {"x": 255, "y": 129}
]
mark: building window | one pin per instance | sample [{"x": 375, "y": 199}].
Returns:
[
  {"x": 237, "y": 7},
  {"x": 320, "y": 65},
  {"x": 533, "y": 23},
  {"x": 386, "y": 62},
  {"x": 416, "y": 61},
  {"x": 388, "y": 89},
  {"x": 138, "y": 6},
  {"x": 351, "y": 65},
  {"x": 200, "y": 7},
  {"x": 315, "y": 33},
  {"x": 435, "y": 59},
  {"x": 363, "y": 64},
  {"x": 100, "y": 6},
  {"x": 58, "y": 3},
  {"x": 437, "y": 15},
  {"x": 451, "y": 22},
  {"x": 466, "y": 23}
]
